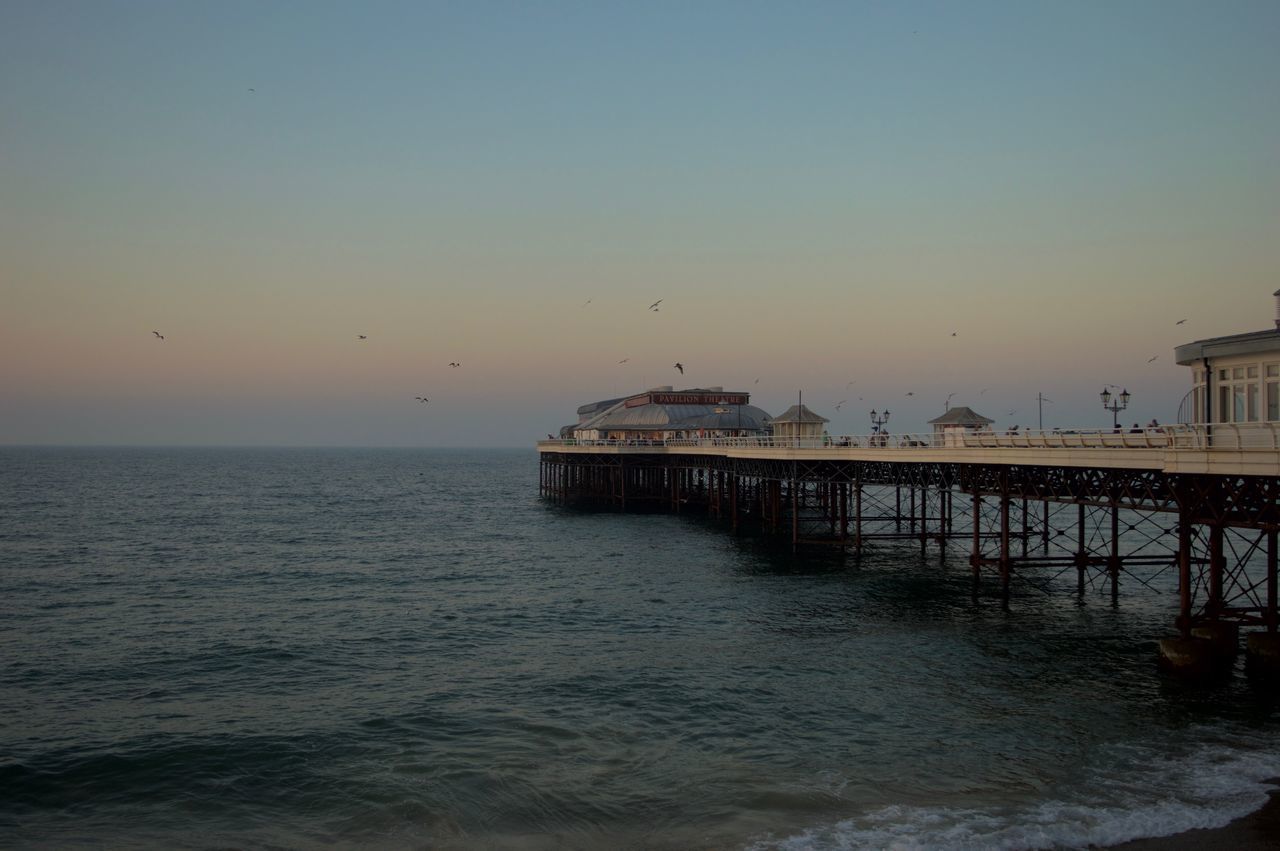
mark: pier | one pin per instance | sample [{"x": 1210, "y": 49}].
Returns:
[
  {"x": 1200, "y": 499},
  {"x": 1102, "y": 507}
]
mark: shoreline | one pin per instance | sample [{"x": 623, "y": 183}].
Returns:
[{"x": 1257, "y": 831}]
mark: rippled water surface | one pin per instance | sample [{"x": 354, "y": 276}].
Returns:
[{"x": 405, "y": 648}]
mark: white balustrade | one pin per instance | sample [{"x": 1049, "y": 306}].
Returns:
[{"x": 1219, "y": 436}]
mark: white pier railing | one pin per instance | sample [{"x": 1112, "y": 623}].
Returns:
[{"x": 1219, "y": 436}]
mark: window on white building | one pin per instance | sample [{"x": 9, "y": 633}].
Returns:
[
  {"x": 1273, "y": 391},
  {"x": 1241, "y": 394}
]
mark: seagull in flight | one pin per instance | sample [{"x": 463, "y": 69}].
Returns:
[
  {"x": 984, "y": 390},
  {"x": 585, "y": 303},
  {"x": 680, "y": 367},
  {"x": 624, "y": 360},
  {"x": 423, "y": 399},
  {"x": 953, "y": 333},
  {"x": 158, "y": 334},
  {"x": 1152, "y": 358},
  {"x": 362, "y": 337},
  {"x": 911, "y": 393},
  {"x": 840, "y": 403},
  {"x": 757, "y": 381},
  {"x": 1179, "y": 322},
  {"x": 454, "y": 364},
  {"x": 654, "y": 306}
]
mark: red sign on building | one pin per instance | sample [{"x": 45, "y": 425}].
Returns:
[{"x": 688, "y": 399}]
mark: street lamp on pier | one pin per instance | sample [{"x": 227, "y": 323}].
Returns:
[
  {"x": 877, "y": 425},
  {"x": 1121, "y": 402}
]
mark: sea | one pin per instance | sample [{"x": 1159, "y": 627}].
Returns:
[{"x": 385, "y": 648}]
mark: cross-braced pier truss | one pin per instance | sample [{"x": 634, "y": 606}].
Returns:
[{"x": 1092, "y": 524}]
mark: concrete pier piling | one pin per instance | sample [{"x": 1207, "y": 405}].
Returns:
[
  {"x": 1262, "y": 655},
  {"x": 1190, "y": 658}
]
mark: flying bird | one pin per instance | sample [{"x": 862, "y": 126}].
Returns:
[
  {"x": 454, "y": 364},
  {"x": 911, "y": 393},
  {"x": 1153, "y": 357},
  {"x": 1179, "y": 322},
  {"x": 585, "y": 303},
  {"x": 624, "y": 360},
  {"x": 1011, "y": 413},
  {"x": 253, "y": 90},
  {"x": 361, "y": 337},
  {"x": 422, "y": 399},
  {"x": 757, "y": 381},
  {"x": 984, "y": 390},
  {"x": 654, "y": 306},
  {"x": 158, "y": 334},
  {"x": 953, "y": 333},
  {"x": 680, "y": 367},
  {"x": 840, "y": 403}
]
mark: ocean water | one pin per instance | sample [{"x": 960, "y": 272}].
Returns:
[{"x": 407, "y": 649}]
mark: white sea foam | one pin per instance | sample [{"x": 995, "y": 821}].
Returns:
[{"x": 1130, "y": 796}]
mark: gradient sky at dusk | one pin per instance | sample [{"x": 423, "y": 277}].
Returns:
[{"x": 821, "y": 193}]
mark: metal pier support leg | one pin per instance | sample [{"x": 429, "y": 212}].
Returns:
[
  {"x": 944, "y": 521},
  {"x": 1082, "y": 553},
  {"x": 924, "y": 521},
  {"x": 795, "y": 517},
  {"x": 1264, "y": 647},
  {"x": 733, "y": 500},
  {"x": 1026, "y": 528},
  {"x": 1273, "y": 616},
  {"x": 1184, "y": 574},
  {"x": 1044, "y": 530},
  {"x": 833, "y": 506},
  {"x": 1004, "y": 548},
  {"x": 1113, "y": 560},
  {"x": 1217, "y": 566},
  {"x": 857, "y": 518},
  {"x": 844, "y": 516},
  {"x": 1223, "y": 635},
  {"x": 975, "y": 557}
]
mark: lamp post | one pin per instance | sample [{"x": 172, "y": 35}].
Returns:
[
  {"x": 877, "y": 424},
  {"x": 1121, "y": 402}
]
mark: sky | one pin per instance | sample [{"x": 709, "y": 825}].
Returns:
[{"x": 979, "y": 201}]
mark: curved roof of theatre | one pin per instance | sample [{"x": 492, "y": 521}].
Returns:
[
  {"x": 596, "y": 407},
  {"x": 679, "y": 416}
]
